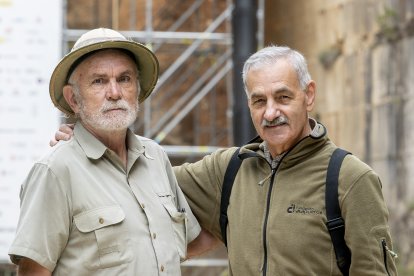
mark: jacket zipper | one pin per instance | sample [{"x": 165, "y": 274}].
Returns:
[
  {"x": 265, "y": 222},
  {"x": 385, "y": 251},
  {"x": 268, "y": 206}
]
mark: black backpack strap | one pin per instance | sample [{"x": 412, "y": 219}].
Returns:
[
  {"x": 229, "y": 177},
  {"x": 335, "y": 222}
]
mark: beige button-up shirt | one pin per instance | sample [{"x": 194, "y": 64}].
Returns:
[{"x": 82, "y": 213}]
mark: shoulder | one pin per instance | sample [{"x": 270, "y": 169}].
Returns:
[
  {"x": 355, "y": 175},
  {"x": 211, "y": 164},
  {"x": 224, "y": 155},
  {"x": 149, "y": 144},
  {"x": 61, "y": 153},
  {"x": 219, "y": 158},
  {"x": 355, "y": 168},
  {"x": 152, "y": 148},
  {"x": 59, "y": 162},
  {"x": 147, "y": 141}
]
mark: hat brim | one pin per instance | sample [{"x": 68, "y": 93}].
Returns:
[{"x": 146, "y": 61}]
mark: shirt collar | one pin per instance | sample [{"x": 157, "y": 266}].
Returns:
[{"x": 95, "y": 149}]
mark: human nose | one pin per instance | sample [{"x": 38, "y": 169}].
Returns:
[
  {"x": 114, "y": 91},
  {"x": 272, "y": 111}
]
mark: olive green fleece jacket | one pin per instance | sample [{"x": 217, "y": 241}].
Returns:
[{"x": 278, "y": 228}]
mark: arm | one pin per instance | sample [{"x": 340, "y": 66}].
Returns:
[
  {"x": 201, "y": 184},
  {"x": 65, "y": 132},
  {"x": 40, "y": 237},
  {"x": 203, "y": 243},
  {"x": 366, "y": 222},
  {"x": 27, "y": 266}
]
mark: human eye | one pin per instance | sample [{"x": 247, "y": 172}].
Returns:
[
  {"x": 125, "y": 79},
  {"x": 284, "y": 98},
  {"x": 98, "y": 81},
  {"x": 258, "y": 101}
]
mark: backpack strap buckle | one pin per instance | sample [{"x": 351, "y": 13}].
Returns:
[{"x": 335, "y": 223}]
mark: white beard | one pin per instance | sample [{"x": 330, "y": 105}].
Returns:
[{"x": 110, "y": 121}]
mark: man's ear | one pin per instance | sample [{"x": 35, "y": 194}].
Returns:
[
  {"x": 310, "y": 95},
  {"x": 70, "y": 98}
]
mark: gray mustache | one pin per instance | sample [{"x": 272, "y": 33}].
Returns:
[
  {"x": 121, "y": 104},
  {"x": 276, "y": 122}
]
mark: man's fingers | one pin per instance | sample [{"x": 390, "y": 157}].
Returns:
[
  {"x": 66, "y": 128},
  {"x": 63, "y": 135},
  {"x": 53, "y": 142}
]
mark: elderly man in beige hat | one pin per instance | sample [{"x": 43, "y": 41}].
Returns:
[{"x": 106, "y": 202}]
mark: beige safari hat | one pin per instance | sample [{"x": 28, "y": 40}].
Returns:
[{"x": 98, "y": 39}]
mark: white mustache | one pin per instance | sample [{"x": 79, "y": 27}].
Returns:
[
  {"x": 120, "y": 104},
  {"x": 276, "y": 122}
]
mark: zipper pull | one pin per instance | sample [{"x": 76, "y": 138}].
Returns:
[
  {"x": 261, "y": 182},
  {"x": 392, "y": 253}
]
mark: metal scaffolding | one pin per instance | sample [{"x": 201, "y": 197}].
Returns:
[
  {"x": 187, "y": 81},
  {"x": 203, "y": 48}
]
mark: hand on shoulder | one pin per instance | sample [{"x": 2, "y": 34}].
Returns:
[{"x": 65, "y": 132}]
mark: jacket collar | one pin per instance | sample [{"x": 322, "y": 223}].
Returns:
[{"x": 312, "y": 142}]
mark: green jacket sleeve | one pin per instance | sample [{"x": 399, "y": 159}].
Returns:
[
  {"x": 366, "y": 220},
  {"x": 201, "y": 184}
]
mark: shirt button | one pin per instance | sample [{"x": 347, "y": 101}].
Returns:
[
  {"x": 101, "y": 220},
  {"x": 162, "y": 268},
  {"x": 154, "y": 236},
  {"x": 142, "y": 205}
]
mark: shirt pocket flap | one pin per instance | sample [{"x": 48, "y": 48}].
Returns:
[
  {"x": 99, "y": 217},
  {"x": 175, "y": 214}
]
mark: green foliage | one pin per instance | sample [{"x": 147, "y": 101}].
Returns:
[
  {"x": 388, "y": 24},
  {"x": 328, "y": 57}
]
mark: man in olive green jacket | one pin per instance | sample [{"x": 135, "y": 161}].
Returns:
[
  {"x": 277, "y": 210},
  {"x": 277, "y": 205},
  {"x": 277, "y": 227}
]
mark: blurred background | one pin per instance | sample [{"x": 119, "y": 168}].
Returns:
[{"x": 359, "y": 52}]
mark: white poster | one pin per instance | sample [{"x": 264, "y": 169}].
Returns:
[{"x": 30, "y": 47}]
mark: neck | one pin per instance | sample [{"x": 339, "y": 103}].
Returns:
[
  {"x": 114, "y": 140},
  {"x": 276, "y": 150}
]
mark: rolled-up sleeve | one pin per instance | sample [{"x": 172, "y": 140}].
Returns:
[{"x": 44, "y": 222}]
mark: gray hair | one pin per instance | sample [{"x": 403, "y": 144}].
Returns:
[{"x": 272, "y": 54}]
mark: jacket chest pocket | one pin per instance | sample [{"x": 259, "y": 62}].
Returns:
[
  {"x": 105, "y": 238},
  {"x": 178, "y": 222}
]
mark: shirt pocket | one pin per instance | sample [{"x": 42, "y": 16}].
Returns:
[
  {"x": 105, "y": 237},
  {"x": 178, "y": 221}
]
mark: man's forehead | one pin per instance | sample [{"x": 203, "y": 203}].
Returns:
[{"x": 275, "y": 90}]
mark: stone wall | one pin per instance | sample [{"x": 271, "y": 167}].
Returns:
[{"x": 361, "y": 55}]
